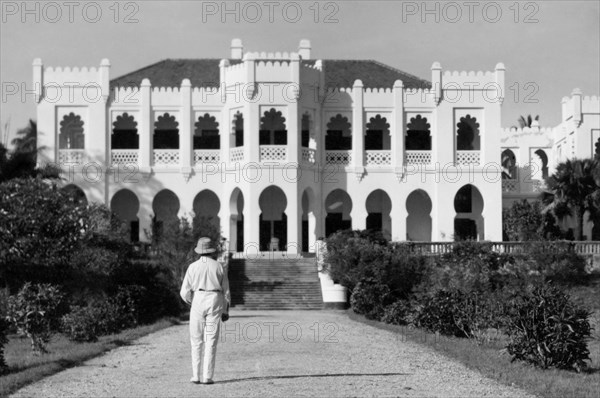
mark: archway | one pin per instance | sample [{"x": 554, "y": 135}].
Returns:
[
  {"x": 71, "y": 135},
  {"x": 468, "y": 222},
  {"x": 273, "y": 220},
  {"x": 125, "y": 205},
  {"x": 379, "y": 206},
  {"x": 125, "y": 133},
  {"x": 418, "y": 222},
  {"x": 206, "y": 134},
  {"x": 418, "y": 134},
  {"x": 509, "y": 165},
  {"x": 166, "y": 132},
  {"x": 468, "y": 134},
  {"x": 540, "y": 168},
  {"x": 272, "y": 128},
  {"x": 309, "y": 223},
  {"x": 339, "y": 134},
  {"x": 377, "y": 136},
  {"x": 206, "y": 207},
  {"x": 165, "y": 206},
  {"x": 76, "y": 194},
  {"x": 338, "y": 206},
  {"x": 236, "y": 220}
]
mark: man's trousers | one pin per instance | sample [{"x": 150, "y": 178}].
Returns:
[{"x": 205, "y": 318}]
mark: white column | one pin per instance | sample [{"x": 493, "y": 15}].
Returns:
[
  {"x": 358, "y": 139},
  {"x": 398, "y": 215},
  {"x": 251, "y": 116},
  {"x": 398, "y": 125},
  {"x": 146, "y": 129},
  {"x": 251, "y": 222},
  {"x": 294, "y": 226},
  {"x": 186, "y": 137},
  {"x": 293, "y": 126},
  {"x": 359, "y": 214},
  {"x": 144, "y": 215}
]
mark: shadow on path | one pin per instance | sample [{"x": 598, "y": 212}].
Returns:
[{"x": 310, "y": 376}]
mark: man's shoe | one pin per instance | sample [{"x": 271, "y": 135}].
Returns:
[
  {"x": 194, "y": 380},
  {"x": 208, "y": 381}
]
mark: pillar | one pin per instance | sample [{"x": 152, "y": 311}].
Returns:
[
  {"x": 186, "y": 137},
  {"x": 146, "y": 129},
  {"x": 358, "y": 139}
]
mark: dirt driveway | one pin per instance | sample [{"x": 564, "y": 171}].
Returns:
[{"x": 275, "y": 353}]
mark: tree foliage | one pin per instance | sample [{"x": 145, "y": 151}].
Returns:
[{"x": 575, "y": 188}]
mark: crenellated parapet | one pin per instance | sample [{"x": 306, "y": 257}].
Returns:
[
  {"x": 489, "y": 83},
  {"x": 536, "y": 136},
  {"x": 71, "y": 78}
]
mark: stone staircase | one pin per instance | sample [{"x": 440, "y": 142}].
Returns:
[{"x": 275, "y": 284}]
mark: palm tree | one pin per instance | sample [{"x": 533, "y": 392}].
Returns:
[
  {"x": 575, "y": 190},
  {"x": 527, "y": 122},
  {"x": 26, "y": 139}
]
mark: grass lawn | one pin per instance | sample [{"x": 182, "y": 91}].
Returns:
[
  {"x": 489, "y": 360},
  {"x": 25, "y": 368}
]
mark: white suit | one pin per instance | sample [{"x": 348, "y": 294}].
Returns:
[{"x": 206, "y": 287}]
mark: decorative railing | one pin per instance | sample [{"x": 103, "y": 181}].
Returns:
[
  {"x": 236, "y": 154},
  {"x": 207, "y": 156},
  {"x": 468, "y": 157},
  {"x": 510, "y": 185},
  {"x": 338, "y": 157},
  {"x": 309, "y": 155},
  {"x": 273, "y": 152},
  {"x": 418, "y": 157},
  {"x": 124, "y": 156},
  {"x": 378, "y": 158},
  {"x": 71, "y": 156},
  {"x": 166, "y": 157},
  {"x": 439, "y": 248}
]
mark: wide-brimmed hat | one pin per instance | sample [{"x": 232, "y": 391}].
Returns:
[{"x": 203, "y": 246}]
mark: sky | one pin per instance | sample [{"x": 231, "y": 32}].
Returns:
[{"x": 548, "y": 47}]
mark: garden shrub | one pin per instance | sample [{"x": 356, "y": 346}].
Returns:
[
  {"x": 460, "y": 314},
  {"x": 370, "y": 297},
  {"x": 34, "y": 313},
  {"x": 101, "y": 317},
  {"x": 399, "y": 312},
  {"x": 3, "y": 331},
  {"x": 546, "y": 329}
]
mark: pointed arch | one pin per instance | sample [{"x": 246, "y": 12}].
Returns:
[
  {"x": 339, "y": 134},
  {"x": 468, "y": 222},
  {"x": 125, "y": 133},
  {"x": 166, "y": 132},
  {"x": 272, "y": 128},
  {"x": 468, "y": 138},
  {"x": 379, "y": 207},
  {"x": 71, "y": 135},
  {"x": 418, "y": 134},
  {"x": 125, "y": 205},
  {"x": 418, "y": 221},
  {"x": 206, "y": 133},
  {"x": 338, "y": 206}
]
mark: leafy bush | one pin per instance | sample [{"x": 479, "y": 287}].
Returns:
[
  {"x": 102, "y": 317},
  {"x": 33, "y": 311},
  {"x": 546, "y": 329},
  {"x": 398, "y": 313},
  {"x": 370, "y": 297},
  {"x": 3, "y": 331}
]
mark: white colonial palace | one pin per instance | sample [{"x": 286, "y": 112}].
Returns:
[{"x": 281, "y": 145}]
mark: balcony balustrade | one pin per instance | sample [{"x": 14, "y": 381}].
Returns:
[
  {"x": 309, "y": 155},
  {"x": 418, "y": 157},
  {"x": 207, "y": 156},
  {"x": 378, "y": 158},
  {"x": 236, "y": 154},
  {"x": 71, "y": 156},
  {"x": 269, "y": 153},
  {"x": 166, "y": 157},
  {"x": 468, "y": 157},
  {"x": 339, "y": 157},
  {"x": 124, "y": 156}
]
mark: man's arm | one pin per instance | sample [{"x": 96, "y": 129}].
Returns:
[
  {"x": 225, "y": 287},
  {"x": 186, "y": 288}
]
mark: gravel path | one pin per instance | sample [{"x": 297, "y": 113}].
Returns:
[{"x": 287, "y": 357}]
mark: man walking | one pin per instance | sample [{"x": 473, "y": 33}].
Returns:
[{"x": 206, "y": 287}]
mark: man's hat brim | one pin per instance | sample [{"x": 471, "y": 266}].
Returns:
[{"x": 205, "y": 251}]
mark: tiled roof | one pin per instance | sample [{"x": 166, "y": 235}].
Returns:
[{"x": 205, "y": 73}]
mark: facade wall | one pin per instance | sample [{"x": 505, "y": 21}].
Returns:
[{"x": 305, "y": 174}]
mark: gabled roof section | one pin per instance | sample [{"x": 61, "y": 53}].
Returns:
[
  {"x": 373, "y": 74},
  {"x": 205, "y": 73}
]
